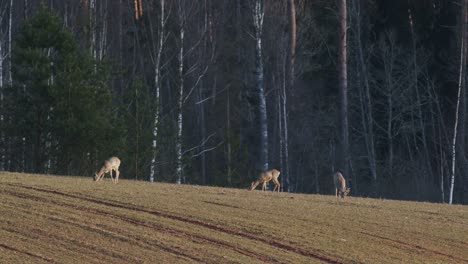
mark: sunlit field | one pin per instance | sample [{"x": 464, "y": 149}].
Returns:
[{"x": 52, "y": 219}]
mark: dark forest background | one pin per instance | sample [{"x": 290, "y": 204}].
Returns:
[{"x": 213, "y": 91}]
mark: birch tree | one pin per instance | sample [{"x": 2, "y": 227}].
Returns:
[
  {"x": 343, "y": 84},
  {"x": 10, "y": 26},
  {"x": 3, "y": 56},
  {"x": 180, "y": 99},
  {"x": 157, "y": 85},
  {"x": 92, "y": 27},
  {"x": 461, "y": 83},
  {"x": 258, "y": 15}
]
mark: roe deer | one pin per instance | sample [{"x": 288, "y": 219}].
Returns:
[
  {"x": 340, "y": 185},
  {"x": 109, "y": 165},
  {"x": 266, "y": 176}
]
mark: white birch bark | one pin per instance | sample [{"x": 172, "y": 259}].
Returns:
[
  {"x": 92, "y": 19},
  {"x": 103, "y": 34},
  {"x": 258, "y": 14},
  {"x": 48, "y": 139},
  {"x": 463, "y": 21},
  {"x": 10, "y": 24},
  {"x": 179, "y": 169},
  {"x": 157, "y": 84}
]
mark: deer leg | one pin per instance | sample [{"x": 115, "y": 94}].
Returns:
[
  {"x": 117, "y": 176},
  {"x": 337, "y": 192},
  {"x": 277, "y": 185},
  {"x": 254, "y": 185},
  {"x": 112, "y": 178},
  {"x": 264, "y": 186},
  {"x": 102, "y": 176}
]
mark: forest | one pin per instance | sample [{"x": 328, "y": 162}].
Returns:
[{"x": 212, "y": 92}]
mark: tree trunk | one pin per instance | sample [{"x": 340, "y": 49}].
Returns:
[
  {"x": 343, "y": 83},
  {"x": 442, "y": 167},
  {"x": 179, "y": 169},
  {"x": 291, "y": 77},
  {"x": 157, "y": 84},
  {"x": 228, "y": 138},
  {"x": 2, "y": 116},
  {"x": 103, "y": 34},
  {"x": 201, "y": 107},
  {"x": 10, "y": 24},
  {"x": 120, "y": 41},
  {"x": 25, "y": 9},
  {"x": 463, "y": 21},
  {"x": 316, "y": 173},
  {"x": 92, "y": 28},
  {"x": 281, "y": 135},
  {"x": 258, "y": 14}
]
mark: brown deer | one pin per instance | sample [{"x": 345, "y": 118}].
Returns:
[
  {"x": 109, "y": 165},
  {"x": 340, "y": 185},
  {"x": 266, "y": 176}
]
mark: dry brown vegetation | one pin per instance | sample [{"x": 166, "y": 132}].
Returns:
[{"x": 72, "y": 219}]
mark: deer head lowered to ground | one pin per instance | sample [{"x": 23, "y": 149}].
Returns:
[
  {"x": 266, "y": 176},
  {"x": 109, "y": 165},
  {"x": 340, "y": 185}
]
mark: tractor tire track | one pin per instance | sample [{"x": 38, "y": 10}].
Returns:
[
  {"x": 160, "y": 228},
  {"x": 27, "y": 253},
  {"x": 412, "y": 246},
  {"x": 63, "y": 242},
  {"x": 434, "y": 238},
  {"x": 271, "y": 242},
  {"x": 102, "y": 213}
]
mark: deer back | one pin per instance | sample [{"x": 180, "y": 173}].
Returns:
[
  {"x": 265, "y": 177},
  {"x": 339, "y": 181},
  {"x": 114, "y": 162},
  {"x": 275, "y": 173},
  {"x": 110, "y": 164}
]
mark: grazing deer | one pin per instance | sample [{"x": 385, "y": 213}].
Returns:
[
  {"x": 340, "y": 185},
  {"x": 109, "y": 165},
  {"x": 266, "y": 176}
]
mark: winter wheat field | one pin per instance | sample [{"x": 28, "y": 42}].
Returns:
[{"x": 52, "y": 219}]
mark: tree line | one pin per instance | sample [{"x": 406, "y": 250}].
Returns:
[{"x": 213, "y": 92}]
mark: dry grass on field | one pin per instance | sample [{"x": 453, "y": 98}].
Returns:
[{"x": 75, "y": 220}]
